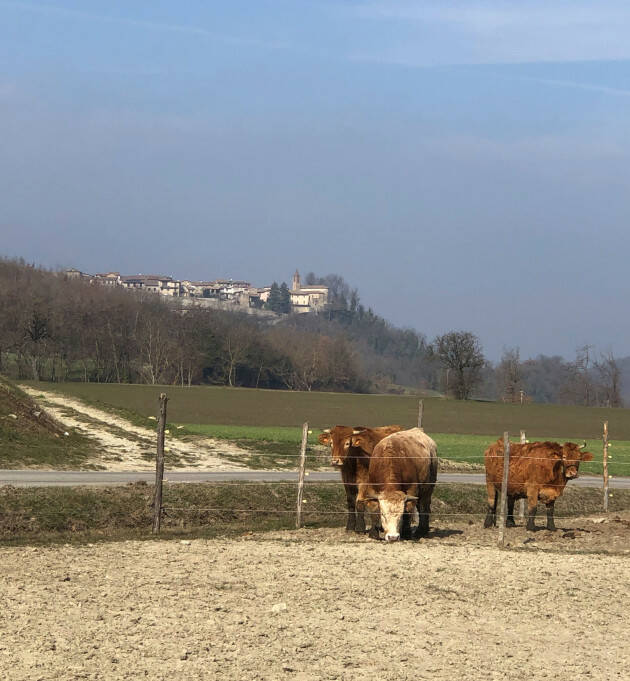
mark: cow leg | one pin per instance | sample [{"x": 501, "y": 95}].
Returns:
[
  {"x": 550, "y": 523},
  {"x": 491, "y": 517},
  {"x": 509, "y": 521},
  {"x": 424, "y": 510},
  {"x": 532, "y": 503},
  {"x": 351, "y": 497},
  {"x": 360, "y": 517},
  {"x": 375, "y": 525},
  {"x": 405, "y": 530}
]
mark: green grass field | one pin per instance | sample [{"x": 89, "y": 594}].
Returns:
[
  {"x": 248, "y": 407},
  {"x": 270, "y": 421}
]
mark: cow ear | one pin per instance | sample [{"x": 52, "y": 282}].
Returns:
[{"x": 586, "y": 456}]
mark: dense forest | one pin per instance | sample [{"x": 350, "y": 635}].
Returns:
[{"x": 56, "y": 329}]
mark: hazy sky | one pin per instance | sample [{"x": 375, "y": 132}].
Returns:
[{"x": 464, "y": 164}]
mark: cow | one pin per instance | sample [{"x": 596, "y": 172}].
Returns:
[
  {"x": 353, "y": 463},
  {"x": 538, "y": 471},
  {"x": 402, "y": 475}
]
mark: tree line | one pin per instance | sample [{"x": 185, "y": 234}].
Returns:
[{"x": 58, "y": 329}]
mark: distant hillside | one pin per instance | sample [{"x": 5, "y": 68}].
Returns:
[
  {"x": 58, "y": 329},
  {"x": 29, "y": 438}
]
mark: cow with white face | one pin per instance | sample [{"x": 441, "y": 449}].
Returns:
[
  {"x": 353, "y": 461},
  {"x": 402, "y": 474}
]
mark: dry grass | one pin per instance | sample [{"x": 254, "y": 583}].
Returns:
[{"x": 67, "y": 514}]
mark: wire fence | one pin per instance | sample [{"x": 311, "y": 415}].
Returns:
[
  {"x": 544, "y": 482},
  {"x": 309, "y": 501}
]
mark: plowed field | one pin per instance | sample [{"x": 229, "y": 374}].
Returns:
[{"x": 320, "y": 604}]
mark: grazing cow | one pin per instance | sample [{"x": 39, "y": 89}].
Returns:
[
  {"x": 538, "y": 471},
  {"x": 402, "y": 475},
  {"x": 353, "y": 463}
]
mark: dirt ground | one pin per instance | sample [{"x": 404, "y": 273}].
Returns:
[
  {"x": 124, "y": 446},
  {"x": 321, "y": 604}
]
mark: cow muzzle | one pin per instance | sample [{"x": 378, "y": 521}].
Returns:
[{"x": 392, "y": 537}]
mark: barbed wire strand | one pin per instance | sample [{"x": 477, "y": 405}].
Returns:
[
  {"x": 475, "y": 457},
  {"x": 195, "y": 509},
  {"x": 312, "y": 483}
]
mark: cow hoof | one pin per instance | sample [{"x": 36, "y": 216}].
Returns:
[
  {"x": 531, "y": 527},
  {"x": 488, "y": 522},
  {"x": 552, "y": 528},
  {"x": 510, "y": 522}
]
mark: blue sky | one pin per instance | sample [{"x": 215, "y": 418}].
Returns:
[{"x": 463, "y": 164}]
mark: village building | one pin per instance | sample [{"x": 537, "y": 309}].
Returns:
[
  {"x": 155, "y": 283},
  {"x": 307, "y": 298},
  {"x": 237, "y": 293},
  {"x": 107, "y": 278}
]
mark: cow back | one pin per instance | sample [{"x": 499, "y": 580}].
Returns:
[
  {"x": 534, "y": 462},
  {"x": 403, "y": 458}
]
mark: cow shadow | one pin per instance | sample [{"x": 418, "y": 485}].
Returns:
[{"x": 441, "y": 533}]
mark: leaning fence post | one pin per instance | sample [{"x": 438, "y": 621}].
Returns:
[
  {"x": 605, "y": 441},
  {"x": 302, "y": 470},
  {"x": 420, "y": 413},
  {"x": 504, "y": 484},
  {"x": 522, "y": 503},
  {"x": 159, "y": 465}
]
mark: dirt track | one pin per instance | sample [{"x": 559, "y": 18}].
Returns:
[
  {"x": 123, "y": 446},
  {"x": 316, "y": 604}
]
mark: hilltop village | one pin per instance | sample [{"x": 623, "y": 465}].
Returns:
[{"x": 225, "y": 293}]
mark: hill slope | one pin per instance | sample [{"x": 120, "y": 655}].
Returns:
[{"x": 29, "y": 438}]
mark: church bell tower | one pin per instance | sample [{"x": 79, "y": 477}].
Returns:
[{"x": 297, "y": 284}]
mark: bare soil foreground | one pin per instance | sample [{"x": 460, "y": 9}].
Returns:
[{"x": 320, "y": 604}]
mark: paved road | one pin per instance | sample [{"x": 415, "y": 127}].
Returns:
[{"x": 32, "y": 478}]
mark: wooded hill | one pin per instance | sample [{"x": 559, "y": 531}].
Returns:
[{"x": 58, "y": 329}]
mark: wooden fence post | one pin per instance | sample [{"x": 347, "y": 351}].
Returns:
[
  {"x": 159, "y": 465},
  {"x": 605, "y": 441},
  {"x": 523, "y": 502},
  {"x": 420, "y": 413},
  {"x": 504, "y": 485},
  {"x": 302, "y": 470}
]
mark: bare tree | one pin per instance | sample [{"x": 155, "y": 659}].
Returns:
[
  {"x": 578, "y": 388},
  {"x": 609, "y": 376},
  {"x": 510, "y": 376},
  {"x": 461, "y": 353}
]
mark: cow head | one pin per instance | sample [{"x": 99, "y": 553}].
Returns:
[
  {"x": 366, "y": 439},
  {"x": 324, "y": 437},
  {"x": 362, "y": 439},
  {"x": 338, "y": 439},
  {"x": 392, "y": 507},
  {"x": 572, "y": 454}
]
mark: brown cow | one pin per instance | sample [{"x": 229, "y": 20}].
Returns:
[
  {"x": 353, "y": 463},
  {"x": 538, "y": 471},
  {"x": 402, "y": 474}
]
